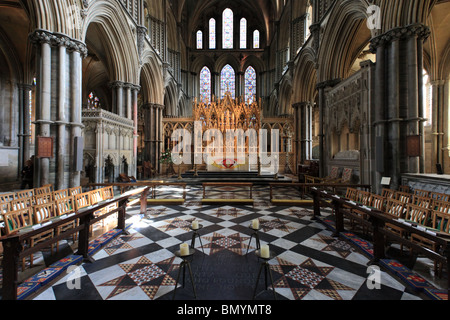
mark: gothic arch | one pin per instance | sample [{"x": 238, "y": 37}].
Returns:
[
  {"x": 122, "y": 56},
  {"x": 151, "y": 79},
  {"x": 305, "y": 79},
  {"x": 345, "y": 36}
]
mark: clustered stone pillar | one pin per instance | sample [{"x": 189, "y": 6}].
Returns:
[
  {"x": 24, "y": 123},
  {"x": 321, "y": 87},
  {"x": 153, "y": 133},
  {"x": 58, "y": 105},
  {"x": 398, "y": 109},
  {"x": 303, "y": 124}
]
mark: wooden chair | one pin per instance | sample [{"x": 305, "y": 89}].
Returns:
[
  {"x": 42, "y": 214},
  {"x": 417, "y": 215},
  {"x": 75, "y": 191},
  {"x": 96, "y": 196},
  {"x": 82, "y": 200},
  {"x": 44, "y": 189},
  {"x": 22, "y": 203},
  {"x": 378, "y": 202},
  {"x": 387, "y": 193},
  {"x": 397, "y": 209},
  {"x": 422, "y": 193},
  {"x": 351, "y": 194},
  {"x": 64, "y": 206},
  {"x": 43, "y": 198},
  {"x": 440, "y": 223},
  {"x": 17, "y": 220},
  {"x": 440, "y": 196},
  {"x": 402, "y": 196},
  {"x": 7, "y": 197},
  {"x": 441, "y": 206},
  {"x": 60, "y": 194},
  {"x": 406, "y": 189},
  {"x": 25, "y": 194},
  {"x": 424, "y": 202}
]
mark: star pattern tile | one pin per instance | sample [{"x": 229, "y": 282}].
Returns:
[{"x": 234, "y": 243}]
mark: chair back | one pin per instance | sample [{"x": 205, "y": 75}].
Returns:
[
  {"x": 82, "y": 200},
  {"x": 108, "y": 193},
  {"x": 64, "y": 206},
  {"x": 417, "y": 214},
  {"x": 43, "y": 213},
  {"x": 396, "y": 208},
  {"x": 17, "y": 220}
]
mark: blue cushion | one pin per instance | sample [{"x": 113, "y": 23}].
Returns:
[
  {"x": 26, "y": 288},
  {"x": 45, "y": 276},
  {"x": 67, "y": 261}
]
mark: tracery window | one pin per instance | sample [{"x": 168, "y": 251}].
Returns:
[
  {"x": 212, "y": 33},
  {"x": 228, "y": 81},
  {"x": 205, "y": 85},
  {"x": 199, "y": 40},
  {"x": 256, "y": 39},
  {"x": 243, "y": 30},
  {"x": 250, "y": 85},
  {"x": 228, "y": 29}
]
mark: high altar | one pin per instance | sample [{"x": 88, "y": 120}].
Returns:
[{"x": 227, "y": 115}]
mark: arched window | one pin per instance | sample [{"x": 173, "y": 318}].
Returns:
[
  {"x": 199, "y": 39},
  {"x": 228, "y": 81},
  {"x": 250, "y": 85},
  {"x": 205, "y": 85},
  {"x": 256, "y": 39},
  {"x": 212, "y": 33},
  {"x": 243, "y": 30},
  {"x": 227, "y": 29}
]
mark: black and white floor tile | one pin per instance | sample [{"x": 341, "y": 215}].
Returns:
[{"x": 308, "y": 264}]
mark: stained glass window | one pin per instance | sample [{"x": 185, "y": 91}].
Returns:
[
  {"x": 212, "y": 33},
  {"x": 199, "y": 40},
  {"x": 205, "y": 85},
  {"x": 256, "y": 39},
  {"x": 243, "y": 30},
  {"x": 228, "y": 81},
  {"x": 93, "y": 101},
  {"x": 250, "y": 85},
  {"x": 228, "y": 29}
]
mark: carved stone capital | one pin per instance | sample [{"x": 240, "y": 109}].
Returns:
[
  {"x": 418, "y": 30},
  {"x": 39, "y": 37}
]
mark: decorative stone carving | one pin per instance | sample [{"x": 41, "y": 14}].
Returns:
[{"x": 56, "y": 39}]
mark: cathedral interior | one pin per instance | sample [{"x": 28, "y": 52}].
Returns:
[{"x": 94, "y": 92}]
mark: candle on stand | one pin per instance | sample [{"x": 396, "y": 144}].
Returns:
[
  {"x": 195, "y": 224},
  {"x": 255, "y": 224},
  {"x": 184, "y": 249},
  {"x": 265, "y": 252}
]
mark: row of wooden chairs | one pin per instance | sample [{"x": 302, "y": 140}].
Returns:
[
  {"x": 413, "y": 208},
  {"x": 31, "y": 214}
]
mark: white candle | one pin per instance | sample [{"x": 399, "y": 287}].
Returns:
[
  {"x": 184, "y": 249},
  {"x": 255, "y": 224},
  {"x": 265, "y": 253},
  {"x": 195, "y": 224}
]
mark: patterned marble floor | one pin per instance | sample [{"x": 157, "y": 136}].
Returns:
[{"x": 308, "y": 263}]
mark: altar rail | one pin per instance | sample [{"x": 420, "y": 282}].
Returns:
[
  {"x": 13, "y": 251},
  {"x": 377, "y": 221}
]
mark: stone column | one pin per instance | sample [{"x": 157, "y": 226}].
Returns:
[
  {"x": 24, "y": 123},
  {"x": 398, "y": 95},
  {"x": 135, "y": 90},
  {"x": 303, "y": 123},
  {"x": 438, "y": 123},
  {"x": 321, "y": 87},
  {"x": 57, "y": 56}
]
